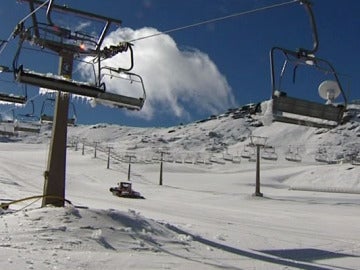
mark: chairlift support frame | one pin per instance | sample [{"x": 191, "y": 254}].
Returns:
[
  {"x": 258, "y": 142},
  {"x": 295, "y": 106},
  {"x": 54, "y": 183},
  {"x": 95, "y": 90}
]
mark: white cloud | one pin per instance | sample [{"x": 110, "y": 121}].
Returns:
[{"x": 177, "y": 81}]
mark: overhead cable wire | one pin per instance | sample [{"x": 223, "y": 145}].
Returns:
[{"x": 217, "y": 19}]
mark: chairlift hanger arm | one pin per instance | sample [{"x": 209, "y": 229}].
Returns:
[
  {"x": 48, "y": 12},
  {"x": 2, "y": 43},
  {"x": 307, "y": 5},
  {"x": 112, "y": 51},
  {"x": 34, "y": 19}
]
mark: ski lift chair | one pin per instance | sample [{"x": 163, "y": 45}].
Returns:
[
  {"x": 7, "y": 124},
  {"x": 72, "y": 120},
  {"x": 227, "y": 156},
  {"x": 269, "y": 153},
  {"x": 46, "y": 117},
  {"x": 285, "y": 108},
  {"x": 295, "y": 110},
  {"x": 12, "y": 96},
  {"x": 293, "y": 154},
  {"x": 133, "y": 82},
  {"x": 6, "y": 117},
  {"x": 71, "y": 43},
  {"x": 28, "y": 122},
  {"x": 248, "y": 151}
]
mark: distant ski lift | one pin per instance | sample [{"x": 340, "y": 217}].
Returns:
[
  {"x": 7, "y": 127},
  {"x": 214, "y": 159},
  {"x": 293, "y": 154},
  {"x": 7, "y": 117},
  {"x": 11, "y": 95},
  {"x": 169, "y": 158},
  {"x": 227, "y": 156},
  {"x": 28, "y": 122},
  {"x": 236, "y": 159},
  {"x": 305, "y": 112},
  {"x": 252, "y": 157},
  {"x": 269, "y": 153},
  {"x": 199, "y": 158},
  {"x": 179, "y": 158},
  {"x": 46, "y": 114},
  {"x": 356, "y": 160},
  {"x": 28, "y": 127},
  {"x": 62, "y": 39},
  {"x": 322, "y": 155},
  {"x": 30, "y": 115},
  {"x": 248, "y": 151},
  {"x": 189, "y": 159}
]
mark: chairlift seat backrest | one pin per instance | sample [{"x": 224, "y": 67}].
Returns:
[{"x": 285, "y": 104}]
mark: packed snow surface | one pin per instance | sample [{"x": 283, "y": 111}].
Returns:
[{"x": 204, "y": 216}]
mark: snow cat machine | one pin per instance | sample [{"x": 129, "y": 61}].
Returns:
[{"x": 124, "y": 190}]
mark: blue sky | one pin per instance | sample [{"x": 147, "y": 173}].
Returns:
[{"x": 193, "y": 73}]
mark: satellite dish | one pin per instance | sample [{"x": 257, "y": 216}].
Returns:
[{"x": 329, "y": 90}]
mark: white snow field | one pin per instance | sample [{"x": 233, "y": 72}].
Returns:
[{"x": 204, "y": 216}]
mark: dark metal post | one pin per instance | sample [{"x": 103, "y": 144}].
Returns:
[
  {"x": 108, "y": 159},
  {"x": 257, "y": 187},
  {"x": 83, "y": 149},
  {"x": 95, "y": 149},
  {"x": 129, "y": 169},
  {"x": 161, "y": 168},
  {"x": 54, "y": 184},
  {"x": 258, "y": 142}
]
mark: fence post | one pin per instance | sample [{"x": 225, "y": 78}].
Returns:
[
  {"x": 162, "y": 152},
  {"x": 108, "y": 159},
  {"x": 95, "y": 149},
  {"x": 161, "y": 168}
]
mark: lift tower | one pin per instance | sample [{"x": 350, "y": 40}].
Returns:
[{"x": 67, "y": 44}]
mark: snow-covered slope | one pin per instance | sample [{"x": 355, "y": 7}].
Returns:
[{"x": 204, "y": 214}]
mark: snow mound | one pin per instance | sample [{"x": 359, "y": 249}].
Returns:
[
  {"x": 83, "y": 229},
  {"x": 48, "y": 233}
]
